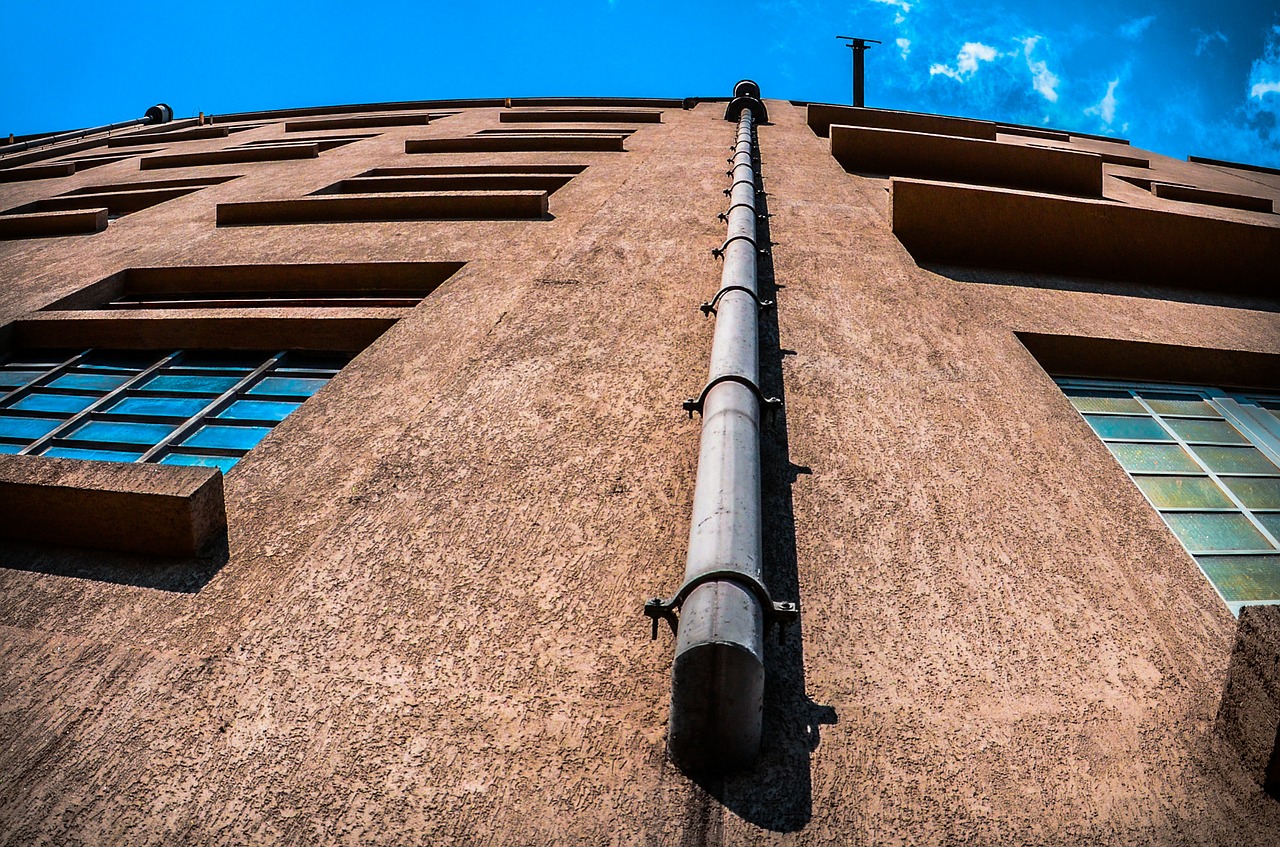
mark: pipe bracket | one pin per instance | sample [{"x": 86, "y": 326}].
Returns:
[
  {"x": 718, "y": 252},
  {"x": 773, "y": 404},
  {"x": 709, "y": 309},
  {"x": 657, "y": 608}
]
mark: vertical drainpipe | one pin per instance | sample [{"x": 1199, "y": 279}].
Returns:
[{"x": 717, "y": 682}]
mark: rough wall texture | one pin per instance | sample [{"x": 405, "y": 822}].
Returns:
[{"x": 425, "y": 624}]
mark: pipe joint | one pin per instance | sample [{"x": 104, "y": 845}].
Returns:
[
  {"x": 696, "y": 404},
  {"x": 657, "y": 608}
]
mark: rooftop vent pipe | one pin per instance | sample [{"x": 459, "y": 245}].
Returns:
[
  {"x": 157, "y": 114},
  {"x": 717, "y": 682}
]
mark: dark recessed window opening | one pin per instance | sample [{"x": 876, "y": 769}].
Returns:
[
  {"x": 121, "y": 199},
  {"x": 182, "y": 407},
  {"x": 323, "y": 142}
]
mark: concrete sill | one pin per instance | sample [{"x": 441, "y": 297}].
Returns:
[
  {"x": 952, "y": 159},
  {"x": 628, "y": 116},
  {"x": 359, "y": 122},
  {"x": 346, "y": 208},
  {"x": 549, "y": 143},
  {"x": 52, "y": 171},
  {"x": 1204, "y": 196},
  {"x": 136, "y": 508},
  {"x": 193, "y": 134},
  {"x": 234, "y": 155},
  {"x": 43, "y": 224}
]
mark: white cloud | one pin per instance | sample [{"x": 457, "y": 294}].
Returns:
[
  {"x": 901, "y": 4},
  {"x": 966, "y": 62},
  {"x": 1106, "y": 107},
  {"x": 1134, "y": 29},
  {"x": 1264, "y": 74},
  {"x": 1207, "y": 40},
  {"x": 904, "y": 45},
  {"x": 1042, "y": 79},
  {"x": 1261, "y": 88}
]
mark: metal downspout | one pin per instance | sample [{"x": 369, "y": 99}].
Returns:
[{"x": 717, "y": 688}]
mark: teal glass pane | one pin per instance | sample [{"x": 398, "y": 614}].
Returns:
[
  {"x": 1216, "y": 431},
  {"x": 191, "y": 384},
  {"x": 1271, "y": 520},
  {"x": 1096, "y": 400},
  {"x": 1177, "y": 403},
  {"x": 233, "y": 437},
  {"x": 29, "y": 428},
  {"x": 258, "y": 410},
  {"x": 1244, "y": 577},
  {"x": 1183, "y": 492},
  {"x": 175, "y": 407},
  {"x": 1208, "y": 533},
  {"x": 99, "y": 455},
  {"x": 1256, "y": 492},
  {"x": 12, "y": 379},
  {"x": 1111, "y": 426},
  {"x": 11, "y": 448},
  {"x": 72, "y": 403},
  {"x": 122, "y": 432},
  {"x": 226, "y": 463},
  {"x": 1153, "y": 457},
  {"x": 289, "y": 386},
  {"x": 1236, "y": 460},
  {"x": 90, "y": 382}
]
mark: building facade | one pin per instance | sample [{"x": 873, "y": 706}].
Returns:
[{"x": 344, "y": 446}]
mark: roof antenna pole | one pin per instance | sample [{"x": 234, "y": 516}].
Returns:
[{"x": 858, "y": 46}]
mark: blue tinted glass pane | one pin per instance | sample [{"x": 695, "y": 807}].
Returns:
[
  {"x": 177, "y": 407},
  {"x": 122, "y": 432},
  {"x": 90, "y": 382},
  {"x": 290, "y": 386},
  {"x": 1207, "y": 532},
  {"x": 258, "y": 410},
  {"x": 31, "y": 428},
  {"x": 1113, "y": 426},
  {"x": 100, "y": 455},
  {"x": 15, "y": 378},
  {"x": 37, "y": 402},
  {"x": 226, "y": 463},
  {"x": 221, "y": 361},
  {"x": 191, "y": 384},
  {"x": 1244, "y": 577},
  {"x": 1153, "y": 457},
  {"x": 235, "y": 437},
  {"x": 10, "y": 448}
]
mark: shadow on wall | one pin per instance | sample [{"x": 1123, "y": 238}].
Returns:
[
  {"x": 1210, "y": 295},
  {"x": 181, "y": 574},
  {"x": 776, "y": 794}
]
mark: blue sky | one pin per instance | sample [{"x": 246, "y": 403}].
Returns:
[{"x": 1176, "y": 76}]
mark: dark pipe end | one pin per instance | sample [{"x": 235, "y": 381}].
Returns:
[
  {"x": 747, "y": 88},
  {"x": 160, "y": 113},
  {"x": 717, "y": 691},
  {"x": 758, "y": 111}
]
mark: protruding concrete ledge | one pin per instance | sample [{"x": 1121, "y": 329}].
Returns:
[
  {"x": 1142, "y": 361},
  {"x": 52, "y": 171},
  {"x": 821, "y": 117},
  {"x": 432, "y": 170},
  {"x": 989, "y": 227},
  {"x": 136, "y": 508},
  {"x": 203, "y": 286},
  {"x": 627, "y": 116},
  {"x": 517, "y": 144},
  {"x": 1239, "y": 166},
  {"x": 43, "y": 224},
  {"x": 358, "y": 122},
  {"x": 342, "y": 208},
  {"x": 1204, "y": 196},
  {"x": 193, "y": 134},
  {"x": 232, "y": 155},
  {"x": 116, "y": 202},
  {"x": 336, "y": 330},
  {"x": 616, "y": 102},
  {"x": 514, "y": 181},
  {"x": 946, "y": 157},
  {"x": 1109, "y": 158},
  {"x": 1029, "y": 132},
  {"x": 1249, "y": 714}
]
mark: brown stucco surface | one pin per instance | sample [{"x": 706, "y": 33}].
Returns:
[{"x": 425, "y": 626}]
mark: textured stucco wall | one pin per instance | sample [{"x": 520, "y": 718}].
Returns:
[{"x": 425, "y": 626}]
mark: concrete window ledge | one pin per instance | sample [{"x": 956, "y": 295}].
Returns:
[
  {"x": 339, "y": 208},
  {"x": 548, "y": 143},
  {"x": 42, "y": 224},
  {"x": 134, "y": 508},
  {"x": 231, "y": 156}
]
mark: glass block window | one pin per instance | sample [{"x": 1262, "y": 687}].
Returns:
[
  {"x": 182, "y": 407},
  {"x": 1208, "y": 461}
]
